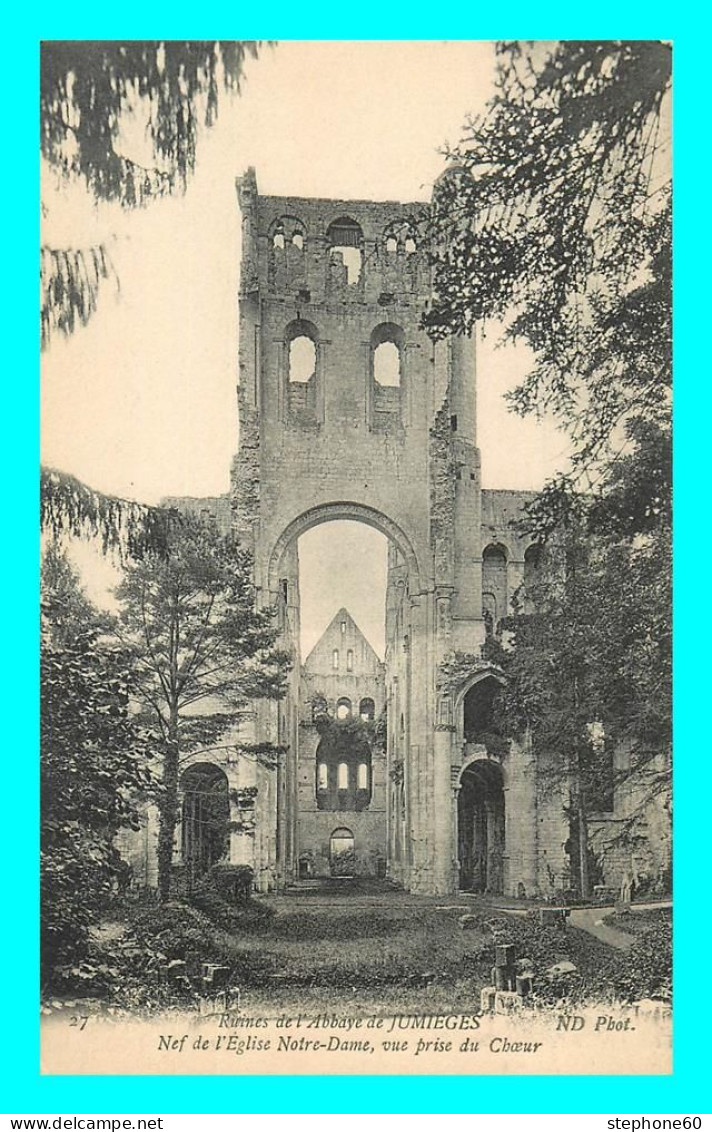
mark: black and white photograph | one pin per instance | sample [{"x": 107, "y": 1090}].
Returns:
[{"x": 356, "y": 557}]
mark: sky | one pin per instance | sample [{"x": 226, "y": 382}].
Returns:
[{"x": 141, "y": 402}]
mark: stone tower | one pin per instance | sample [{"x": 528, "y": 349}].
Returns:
[{"x": 349, "y": 411}]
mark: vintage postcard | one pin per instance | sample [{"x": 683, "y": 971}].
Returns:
[{"x": 356, "y": 703}]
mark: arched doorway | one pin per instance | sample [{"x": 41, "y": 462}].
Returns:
[
  {"x": 342, "y": 854},
  {"x": 480, "y": 827},
  {"x": 205, "y": 818}
]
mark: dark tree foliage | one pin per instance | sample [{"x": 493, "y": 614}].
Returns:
[
  {"x": 588, "y": 668},
  {"x": 92, "y": 769},
  {"x": 199, "y": 649},
  {"x": 69, "y": 508},
  {"x": 88, "y": 90},
  {"x": 555, "y": 219}
]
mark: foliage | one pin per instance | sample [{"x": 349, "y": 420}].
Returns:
[
  {"x": 223, "y": 895},
  {"x": 645, "y": 970},
  {"x": 198, "y": 645},
  {"x": 90, "y": 92},
  {"x": 588, "y": 668},
  {"x": 555, "y": 218},
  {"x": 69, "y": 508},
  {"x": 92, "y": 768},
  {"x": 458, "y": 667}
]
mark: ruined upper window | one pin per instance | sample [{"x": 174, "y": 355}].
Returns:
[
  {"x": 386, "y": 364},
  {"x": 345, "y": 240},
  {"x": 349, "y": 660},
  {"x": 367, "y": 709},
  {"x": 287, "y": 270},
  {"x": 343, "y": 708},
  {"x": 400, "y": 235},
  {"x": 494, "y": 582},
  {"x": 300, "y": 373},
  {"x": 335, "y": 659},
  {"x": 387, "y": 352},
  {"x": 302, "y": 359}
]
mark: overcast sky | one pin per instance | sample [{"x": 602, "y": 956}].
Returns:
[{"x": 141, "y": 402}]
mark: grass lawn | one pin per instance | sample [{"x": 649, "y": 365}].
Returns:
[{"x": 413, "y": 954}]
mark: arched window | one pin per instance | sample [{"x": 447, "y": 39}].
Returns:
[
  {"x": 410, "y": 247},
  {"x": 362, "y": 781},
  {"x": 345, "y": 240},
  {"x": 335, "y": 659},
  {"x": 533, "y": 574},
  {"x": 494, "y": 581},
  {"x": 301, "y": 371},
  {"x": 387, "y": 352},
  {"x": 387, "y": 365},
  {"x": 367, "y": 709},
  {"x": 322, "y": 782},
  {"x": 343, "y": 777},
  {"x": 343, "y": 708},
  {"x": 302, "y": 359},
  {"x": 349, "y": 660},
  {"x": 479, "y": 708},
  {"x": 287, "y": 233},
  {"x": 391, "y": 245}
]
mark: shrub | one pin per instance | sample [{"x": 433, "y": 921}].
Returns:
[
  {"x": 215, "y": 896},
  {"x": 645, "y": 971}
]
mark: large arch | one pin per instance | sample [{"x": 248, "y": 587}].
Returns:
[
  {"x": 489, "y": 673},
  {"x": 330, "y": 512},
  {"x": 481, "y": 827}
]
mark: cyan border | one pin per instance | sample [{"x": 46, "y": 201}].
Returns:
[{"x": 27, "y": 1092}]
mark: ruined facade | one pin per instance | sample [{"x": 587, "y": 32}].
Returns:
[
  {"x": 342, "y": 758},
  {"x": 348, "y": 410}
]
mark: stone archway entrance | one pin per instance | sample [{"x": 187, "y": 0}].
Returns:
[
  {"x": 205, "y": 825},
  {"x": 342, "y": 856},
  {"x": 480, "y": 827}
]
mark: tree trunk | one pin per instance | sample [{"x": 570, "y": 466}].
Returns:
[
  {"x": 584, "y": 878},
  {"x": 168, "y": 811}
]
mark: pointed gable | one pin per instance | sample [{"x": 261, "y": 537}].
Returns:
[{"x": 342, "y": 648}]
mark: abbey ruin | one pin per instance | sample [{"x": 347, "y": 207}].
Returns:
[{"x": 348, "y": 411}]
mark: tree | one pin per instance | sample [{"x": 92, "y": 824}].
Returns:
[
  {"x": 555, "y": 219},
  {"x": 200, "y": 650},
  {"x": 69, "y": 508},
  {"x": 588, "y": 667},
  {"x": 92, "y": 767},
  {"x": 89, "y": 93}
]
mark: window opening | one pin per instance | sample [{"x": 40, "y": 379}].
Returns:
[
  {"x": 387, "y": 365},
  {"x": 302, "y": 359},
  {"x": 343, "y": 708}
]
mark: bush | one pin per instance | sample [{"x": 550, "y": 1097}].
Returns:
[
  {"x": 215, "y": 896},
  {"x": 233, "y": 882},
  {"x": 645, "y": 971}
]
